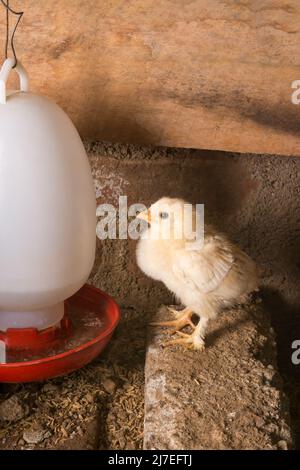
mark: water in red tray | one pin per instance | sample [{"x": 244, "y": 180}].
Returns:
[{"x": 93, "y": 316}]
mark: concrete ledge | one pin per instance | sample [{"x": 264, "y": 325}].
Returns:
[{"x": 228, "y": 397}]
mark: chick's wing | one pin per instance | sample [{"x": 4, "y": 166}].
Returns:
[{"x": 205, "y": 268}]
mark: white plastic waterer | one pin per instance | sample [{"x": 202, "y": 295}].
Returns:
[{"x": 47, "y": 208}]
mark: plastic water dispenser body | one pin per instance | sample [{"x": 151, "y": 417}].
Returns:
[{"x": 47, "y": 208}]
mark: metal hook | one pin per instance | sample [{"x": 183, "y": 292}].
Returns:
[{"x": 19, "y": 14}]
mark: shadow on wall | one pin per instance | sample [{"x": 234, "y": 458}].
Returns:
[
  {"x": 275, "y": 115},
  {"x": 286, "y": 322}
]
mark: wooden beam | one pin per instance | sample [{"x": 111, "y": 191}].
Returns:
[{"x": 212, "y": 74}]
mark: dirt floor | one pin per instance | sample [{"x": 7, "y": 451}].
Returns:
[{"x": 99, "y": 407}]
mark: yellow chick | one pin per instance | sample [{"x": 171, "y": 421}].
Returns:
[{"x": 206, "y": 273}]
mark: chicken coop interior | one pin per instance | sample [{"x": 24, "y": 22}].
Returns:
[{"x": 192, "y": 100}]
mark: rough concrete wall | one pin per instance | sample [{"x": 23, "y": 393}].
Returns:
[{"x": 255, "y": 199}]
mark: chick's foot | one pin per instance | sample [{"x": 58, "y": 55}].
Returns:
[
  {"x": 183, "y": 318},
  {"x": 188, "y": 341},
  {"x": 193, "y": 341}
]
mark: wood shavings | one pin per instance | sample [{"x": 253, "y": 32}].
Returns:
[{"x": 108, "y": 392}]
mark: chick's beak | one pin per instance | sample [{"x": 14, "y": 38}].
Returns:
[{"x": 145, "y": 215}]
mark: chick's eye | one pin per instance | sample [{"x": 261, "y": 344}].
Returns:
[{"x": 163, "y": 215}]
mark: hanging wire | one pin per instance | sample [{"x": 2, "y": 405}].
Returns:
[
  {"x": 12, "y": 45},
  {"x": 7, "y": 30}
]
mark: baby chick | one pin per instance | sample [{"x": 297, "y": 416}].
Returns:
[{"x": 206, "y": 274}]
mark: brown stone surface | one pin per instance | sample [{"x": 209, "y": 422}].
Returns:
[
  {"x": 227, "y": 397},
  {"x": 212, "y": 74}
]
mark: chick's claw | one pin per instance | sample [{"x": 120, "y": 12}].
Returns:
[
  {"x": 182, "y": 320},
  {"x": 188, "y": 341}
]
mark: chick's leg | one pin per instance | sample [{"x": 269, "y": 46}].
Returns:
[
  {"x": 178, "y": 313},
  {"x": 183, "y": 318},
  {"x": 193, "y": 341}
]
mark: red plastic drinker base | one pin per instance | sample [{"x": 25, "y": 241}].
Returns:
[{"x": 90, "y": 318}]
